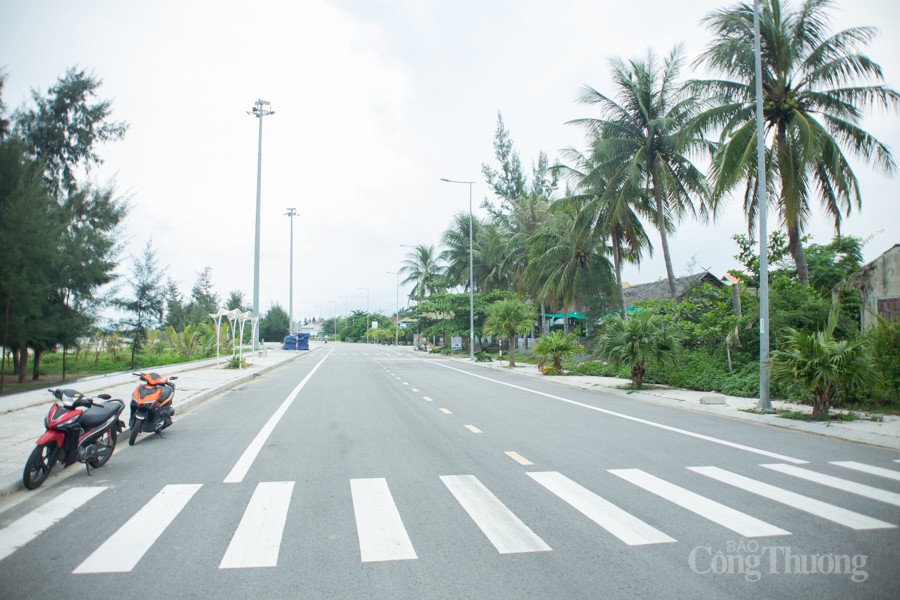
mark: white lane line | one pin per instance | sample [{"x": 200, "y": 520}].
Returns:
[
  {"x": 817, "y": 508},
  {"x": 838, "y": 483},
  {"x": 405, "y": 383},
  {"x": 445, "y": 411},
  {"x": 23, "y": 530},
  {"x": 122, "y": 551},
  {"x": 426, "y": 398},
  {"x": 239, "y": 471},
  {"x": 849, "y": 464},
  {"x": 382, "y": 535},
  {"x": 473, "y": 429},
  {"x": 258, "y": 537},
  {"x": 519, "y": 458},
  {"x": 699, "y": 436},
  {"x": 607, "y": 515},
  {"x": 415, "y": 390},
  {"x": 505, "y": 530},
  {"x": 727, "y": 517}
]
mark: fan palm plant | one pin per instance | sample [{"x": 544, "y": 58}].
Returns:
[
  {"x": 815, "y": 84},
  {"x": 821, "y": 364},
  {"x": 636, "y": 342},
  {"x": 554, "y": 346},
  {"x": 508, "y": 318}
]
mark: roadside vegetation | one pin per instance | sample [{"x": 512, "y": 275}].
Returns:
[{"x": 547, "y": 259}]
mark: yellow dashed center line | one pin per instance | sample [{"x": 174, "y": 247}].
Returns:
[
  {"x": 445, "y": 411},
  {"x": 519, "y": 458},
  {"x": 426, "y": 398}
]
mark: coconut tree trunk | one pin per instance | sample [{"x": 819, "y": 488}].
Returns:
[
  {"x": 796, "y": 248},
  {"x": 512, "y": 349},
  {"x": 661, "y": 225},
  {"x": 617, "y": 263}
]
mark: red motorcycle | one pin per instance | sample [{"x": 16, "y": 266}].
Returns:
[
  {"x": 78, "y": 428},
  {"x": 151, "y": 405}
]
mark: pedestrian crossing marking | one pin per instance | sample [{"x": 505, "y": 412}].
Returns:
[
  {"x": 889, "y": 473},
  {"x": 838, "y": 483},
  {"x": 815, "y": 507},
  {"x": 505, "y": 530},
  {"x": 258, "y": 537},
  {"x": 20, "y": 532},
  {"x": 379, "y": 527},
  {"x": 382, "y": 536},
  {"x": 727, "y": 517},
  {"x": 607, "y": 515},
  {"x": 121, "y": 552}
]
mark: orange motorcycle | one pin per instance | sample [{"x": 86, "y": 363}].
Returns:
[{"x": 151, "y": 405}]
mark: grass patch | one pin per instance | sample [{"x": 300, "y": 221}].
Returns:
[{"x": 798, "y": 415}]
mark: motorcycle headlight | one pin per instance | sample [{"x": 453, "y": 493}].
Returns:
[{"x": 68, "y": 421}]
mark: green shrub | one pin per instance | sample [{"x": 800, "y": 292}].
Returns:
[{"x": 483, "y": 357}]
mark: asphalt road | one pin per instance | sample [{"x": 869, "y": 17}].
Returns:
[{"x": 371, "y": 473}]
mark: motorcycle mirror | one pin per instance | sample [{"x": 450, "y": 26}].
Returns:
[
  {"x": 173, "y": 378},
  {"x": 104, "y": 396}
]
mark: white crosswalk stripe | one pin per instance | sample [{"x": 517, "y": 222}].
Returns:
[
  {"x": 607, "y": 515},
  {"x": 382, "y": 535},
  {"x": 838, "y": 483},
  {"x": 258, "y": 537},
  {"x": 23, "y": 530},
  {"x": 505, "y": 530},
  {"x": 872, "y": 470},
  {"x": 725, "y": 516},
  {"x": 815, "y": 507},
  {"x": 121, "y": 552}
]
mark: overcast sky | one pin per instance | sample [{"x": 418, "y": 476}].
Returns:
[{"x": 374, "y": 102}]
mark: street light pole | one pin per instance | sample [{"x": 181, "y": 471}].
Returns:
[
  {"x": 762, "y": 202},
  {"x": 471, "y": 274},
  {"x": 367, "y": 314},
  {"x": 259, "y": 111},
  {"x": 291, "y": 212},
  {"x": 397, "y": 328}
]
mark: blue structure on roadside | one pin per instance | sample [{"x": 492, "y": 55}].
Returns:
[{"x": 297, "y": 341}]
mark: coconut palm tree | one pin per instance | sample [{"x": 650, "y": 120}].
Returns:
[
  {"x": 508, "y": 318},
  {"x": 616, "y": 211},
  {"x": 455, "y": 255},
  {"x": 647, "y": 135},
  {"x": 815, "y": 84},
  {"x": 566, "y": 259},
  {"x": 425, "y": 270},
  {"x": 636, "y": 342}
]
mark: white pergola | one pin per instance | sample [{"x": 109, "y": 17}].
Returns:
[{"x": 232, "y": 316}]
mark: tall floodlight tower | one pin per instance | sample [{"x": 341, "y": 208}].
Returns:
[{"x": 259, "y": 111}]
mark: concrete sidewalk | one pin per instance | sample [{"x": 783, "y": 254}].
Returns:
[
  {"x": 885, "y": 433},
  {"x": 22, "y": 415}
]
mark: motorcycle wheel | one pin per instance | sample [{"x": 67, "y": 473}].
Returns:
[
  {"x": 135, "y": 430},
  {"x": 108, "y": 439},
  {"x": 37, "y": 469}
]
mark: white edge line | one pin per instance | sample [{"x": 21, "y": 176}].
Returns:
[{"x": 630, "y": 418}]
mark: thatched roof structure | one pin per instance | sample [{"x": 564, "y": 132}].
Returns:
[{"x": 659, "y": 290}]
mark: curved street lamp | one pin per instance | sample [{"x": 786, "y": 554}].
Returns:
[{"x": 471, "y": 274}]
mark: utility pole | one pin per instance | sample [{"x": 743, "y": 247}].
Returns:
[{"x": 259, "y": 111}]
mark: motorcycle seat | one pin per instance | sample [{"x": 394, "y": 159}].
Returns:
[{"x": 100, "y": 412}]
